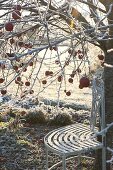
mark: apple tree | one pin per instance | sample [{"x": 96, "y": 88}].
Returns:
[{"x": 41, "y": 39}]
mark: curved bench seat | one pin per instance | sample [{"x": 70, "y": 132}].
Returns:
[{"x": 71, "y": 140}]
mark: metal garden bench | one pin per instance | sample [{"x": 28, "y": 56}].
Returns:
[{"x": 76, "y": 139}]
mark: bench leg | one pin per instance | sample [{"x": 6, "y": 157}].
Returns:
[
  {"x": 79, "y": 162},
  {"x": 104, "y": 158},
  {"x": 64, "y": 162},
  {"x": 46, "y": 159}
]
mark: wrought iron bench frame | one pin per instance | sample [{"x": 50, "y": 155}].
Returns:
[{"x": 76, "y": 139}]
